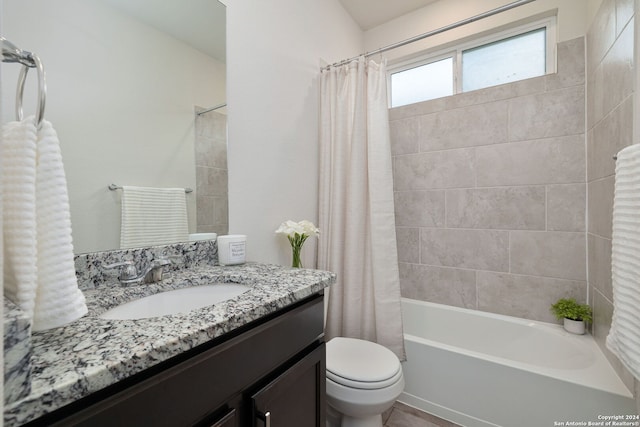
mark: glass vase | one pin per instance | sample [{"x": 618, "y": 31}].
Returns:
[{"x": 297, "y": 262}]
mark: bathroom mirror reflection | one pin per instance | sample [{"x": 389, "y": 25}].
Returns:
[{"x": 125, "y": 79}]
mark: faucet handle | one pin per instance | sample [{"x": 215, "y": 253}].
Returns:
[
  {"x": 128, "y": 273},
  {"x": 155, "y": 271},
  {"x": 161, "y": 262}
]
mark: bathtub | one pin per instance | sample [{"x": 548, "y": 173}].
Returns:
[{"x": 483, "y": 369}]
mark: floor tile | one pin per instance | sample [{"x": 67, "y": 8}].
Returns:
[{"x": 401, "y": 415}]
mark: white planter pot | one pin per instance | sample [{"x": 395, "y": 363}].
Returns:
[{"x": 574, "y": 326}]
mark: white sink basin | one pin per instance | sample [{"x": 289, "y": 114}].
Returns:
[{"x": 175, "y": 301}]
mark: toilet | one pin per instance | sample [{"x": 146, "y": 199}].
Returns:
[{"x": 363, "y": 380}]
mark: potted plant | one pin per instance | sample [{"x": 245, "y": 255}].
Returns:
[{"x": 573, "y": 313}]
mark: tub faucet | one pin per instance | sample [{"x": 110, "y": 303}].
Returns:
[{"x": 129, "y": 274}]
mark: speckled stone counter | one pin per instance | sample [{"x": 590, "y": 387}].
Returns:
[
  {"x": 17, "y": 353},
  {"x": 87, "y": 355}
]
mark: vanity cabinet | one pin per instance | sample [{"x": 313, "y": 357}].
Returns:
[
  {"x": 291, "y": 399},
  {"x": 268, "y": 373}
]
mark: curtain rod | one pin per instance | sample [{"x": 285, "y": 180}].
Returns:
[
  {"x": 432, "y": 33},
  {"x": 199, "y": 113}
]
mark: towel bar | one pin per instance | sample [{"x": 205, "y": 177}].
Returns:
[{"x": 114, "y": 187}]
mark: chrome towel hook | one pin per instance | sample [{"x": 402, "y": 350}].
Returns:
[{"x": 11, "y": 53}]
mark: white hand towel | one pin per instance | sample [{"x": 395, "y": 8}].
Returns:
[
  {"x": 19, "y": 213},
  {"x": 624, "y": 336},
  {"x": 153, "y": 216},
  {"x": 39, "y": 272},
  {"x": 58, "y": 299}
]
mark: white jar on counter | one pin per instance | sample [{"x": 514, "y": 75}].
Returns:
[{"x": 232, "y": 249}]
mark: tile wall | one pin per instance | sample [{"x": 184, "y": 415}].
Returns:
[
  {"x": 610, "y": 75},
  {"x": 490, "y": 193},
  {"x": 212, "y": 201}
]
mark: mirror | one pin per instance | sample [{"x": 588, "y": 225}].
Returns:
[{"x": 125, "y": 79}]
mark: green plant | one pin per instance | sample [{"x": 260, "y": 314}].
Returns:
[{"x": 569, "y": 308}]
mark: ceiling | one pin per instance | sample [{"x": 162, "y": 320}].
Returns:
[
  {"x": 206, "y": 30},
  {"x": 371, "y": 13}
]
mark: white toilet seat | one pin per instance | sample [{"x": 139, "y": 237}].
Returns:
[
  {"x": 361, "y": 364},
  {"x": 364, "y": 385}
]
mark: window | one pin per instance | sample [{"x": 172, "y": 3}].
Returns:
[
  {"x": 428, "y": 81},
  {"x": 518, "y": 54},
  {"x": 516, "y": 58}
]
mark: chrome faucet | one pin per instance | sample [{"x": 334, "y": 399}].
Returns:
[
  {"x": 154, "y": 271},
  {"x": 129, "y": 274}
]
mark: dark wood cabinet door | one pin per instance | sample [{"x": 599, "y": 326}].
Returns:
[
  {"x": 227, "y": 420},
  {"x": 296, "y": 398}
]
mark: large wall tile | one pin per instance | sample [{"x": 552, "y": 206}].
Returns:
[
  {"x": 529, "y": 297},
  {"x": 600, "y": 201},
  {"x": 221, "y": 211},
  {"x": 596, "y": 94},
  {"x": 624, "y": 13},
  {"x": 211, "y": 181},
  {"x": 211, "y": 126},
  {"x": 560, "y": 255},
  {"x": 601, "y": 34},
  {"x": 610, "y": 121},
  {"x": 556, "y": 113},
  {"x": 609, "y": 136},
  {"x": 599, "y": 256},
  {"x": 566, "y": 207},
  {"x": 618, "y": 69},
  {"x": 204, "y": 210},
  {"x": 476, "y": 249},
  {"x": 570, "y": 64},
  {"x": 483, "y": 124},
  {"x": 510, "y": 208},
  {"x": 510, "y": 161},
  {"x": 408, "y": 241},
  {"x": 450, "y": 286},
  {"x": 417, "y": 109},
  {"x": 544, "y": 161},
  {"x": 419, "y": 208},
  {"x": 443, "y": 169},
  {"x": 205, "y": 154},
  {"x": 404, "y": 135},
  {"x": 496, "y": 93},
  {"x": 602, "y": 315}
]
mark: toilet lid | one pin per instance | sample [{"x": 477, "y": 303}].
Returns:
[{"x": 361, "y": 364}]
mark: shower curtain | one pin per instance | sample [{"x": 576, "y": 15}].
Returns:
[{"x": 356, "y": 211}]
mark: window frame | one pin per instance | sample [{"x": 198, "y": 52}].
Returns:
[
  {"x": 455, "y": 52},
  {"x": 418, "y": 62}
]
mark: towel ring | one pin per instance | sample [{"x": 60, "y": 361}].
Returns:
[{"x": 42, "y": 90}]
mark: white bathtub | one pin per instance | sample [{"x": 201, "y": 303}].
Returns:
[{"x": 483, "y": 369}]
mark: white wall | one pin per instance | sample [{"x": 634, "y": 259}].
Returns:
[
  {"x": 572, "y": 22},
  {"x": 273, "y": 57},
  {"x": 123, "y": 114}
]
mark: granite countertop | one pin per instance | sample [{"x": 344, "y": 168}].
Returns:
[{"x": 89, "y": 354}]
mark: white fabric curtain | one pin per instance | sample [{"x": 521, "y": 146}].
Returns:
[{"x": 356, "y": 211}]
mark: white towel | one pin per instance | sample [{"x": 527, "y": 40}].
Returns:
[
  {"x": 19, "y": 213},
  {"x": 153, "y": 216},
  {"x": 39, "y": 267},
  {"x": 624, "y": 336}
]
